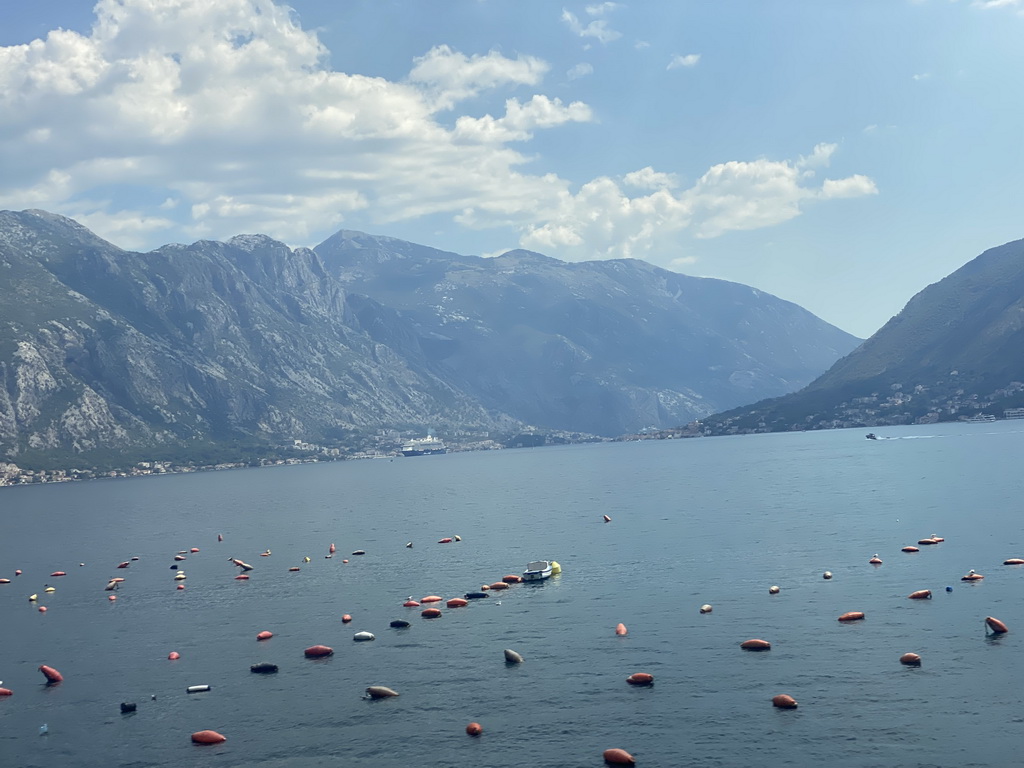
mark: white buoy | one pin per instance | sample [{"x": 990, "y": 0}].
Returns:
[{"x": 363, "y": 636}]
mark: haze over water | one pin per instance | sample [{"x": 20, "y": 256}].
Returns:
[{"x": 693, "y": 521}]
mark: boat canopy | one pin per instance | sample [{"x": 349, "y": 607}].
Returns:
[{"x": 537, "y": 565}]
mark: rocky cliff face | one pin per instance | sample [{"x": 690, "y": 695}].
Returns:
[
  {"x": 213, "y": 341},
  {"x": 251, "y": 340}
]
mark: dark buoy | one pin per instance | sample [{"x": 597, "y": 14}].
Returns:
[
  {"x": 127, "y": 707},
  {"x": 476, "y": 595},
  {"x": 400, "y": 624},
  {"x": 263, "y": 668},
  {"x": 949, "y": 589}
]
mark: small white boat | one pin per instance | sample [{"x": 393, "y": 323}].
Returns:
[{"x": 538, "y": 570}]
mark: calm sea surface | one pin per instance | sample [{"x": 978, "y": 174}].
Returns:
[{"x": 693, "y": 521}]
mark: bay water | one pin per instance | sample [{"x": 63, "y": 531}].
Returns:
[{"x": 714, "y": 521}]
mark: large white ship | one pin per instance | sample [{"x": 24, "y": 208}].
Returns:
[{"x": 423, "y": 446}]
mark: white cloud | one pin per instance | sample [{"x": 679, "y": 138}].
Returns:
[
  {"x": 226, "y": 116},
  {"x": 600, "y": 9},
  {"x": 452, "y": 77},
  {"x": 679, "y": 62},
  {"x": 580, "y": 70},
  {"x": 920, "y": 76},
  {"x": 597, "y": 29},
  {"x": 602, "y": 221}
]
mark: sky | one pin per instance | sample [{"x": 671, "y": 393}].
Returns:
[{"x": 839, "y": 155}]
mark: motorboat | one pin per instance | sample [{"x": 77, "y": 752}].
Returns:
[{"x": 538, "y": 570}]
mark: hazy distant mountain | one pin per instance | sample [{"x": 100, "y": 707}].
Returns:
[
  {"x": 605, "y": 347},
  {"x": 248, "y": 340},
  {"x": 957, "y": 348}
]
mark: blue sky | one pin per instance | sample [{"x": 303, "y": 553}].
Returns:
[{"x": 841, "y": 155}]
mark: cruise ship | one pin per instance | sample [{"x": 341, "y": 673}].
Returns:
[{"x": 423, "y": 446}]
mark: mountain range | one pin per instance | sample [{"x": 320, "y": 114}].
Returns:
[
  {"x": 250, "y": 341},
  {"x": 956, "y": 350}
]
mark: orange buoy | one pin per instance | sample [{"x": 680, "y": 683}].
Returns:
[
  {"x": 474, "y": 729},
  {"x": 620, "y": 629},
  {"x": 1014, "y": 561},
  {"x": 446, "y": 540},
  {"x": 331, "y": 548},
  {"x": 921, "y": 594},
  {"x": 512, "y": 579},
  {"x": 173, "y": 655},
  {"x": 411, "y": 604},
  {"x": 997, "y": 627},
  {"x": 58, "y": 573},
  {"x": 971, "y": 576},
  {"x": 318, "y": 651},
  {"x": 6, "y": 692},
  {"x": 911, "y": 549},
  {"x": 242, "y": 577},
  {"x": 42, "y": 609},
  {"x": 264, "y": 635},
  {"x": 176, "y": 557},
  {"x": 640, "y": 678},
  {"x": 457, "y": 602},
  {"x": 18, "y": 572},
  {"x": 111, "y": 597},
  {"x": 431, "y": 599},
  {"x": 926, "y": 542},
  {"x": 499, "y": 585},
  {"x": 910, "y": 660},
  {"x": 346, "y": 618},
  {"x": 117, "y": 580},
  {"x": 607, "y": 519},
  {"x": 784, "y": 701},
  {"x": 852, "y": 616},
  {"x": 876, "y": 560},
  {"x": 294, "y": 568},
  {"x": 618, "y": 757},
  {"x": 484, "y": 587},
  {"x": 756, "y": 645},
  {"x": 208, "y": 737},
  {"x": 51, "y": 674},
  {"x": 194, "y": 550},
  {"x": 180, "y": 587},
  {"x": 431, "y": 613},
  {"x": 126, "y": 564}
]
